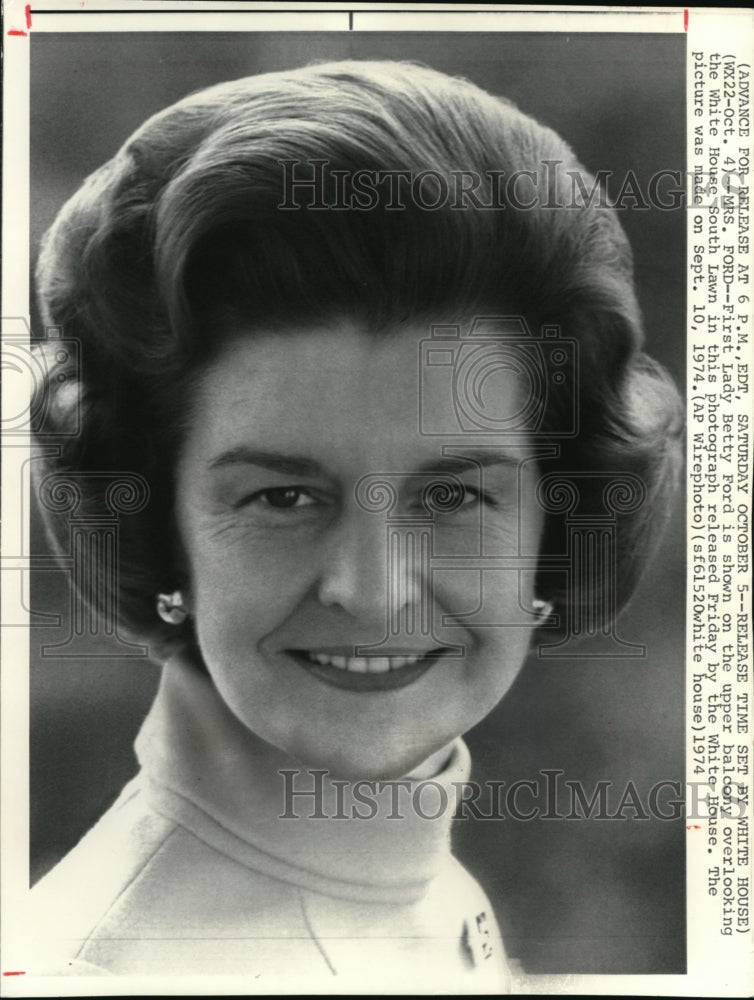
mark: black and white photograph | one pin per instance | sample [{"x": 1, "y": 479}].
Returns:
[{"x": 360, "y": 525}]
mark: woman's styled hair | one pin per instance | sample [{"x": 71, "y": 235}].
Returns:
[{"x": 385, "y": 192}]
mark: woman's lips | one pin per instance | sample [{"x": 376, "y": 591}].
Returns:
[{"x": 367, "y": 673}]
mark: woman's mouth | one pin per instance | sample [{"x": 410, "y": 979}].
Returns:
[{"x": 367, "y": 673}]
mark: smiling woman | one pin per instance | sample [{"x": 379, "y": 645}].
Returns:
[
  {"x": 286, "y": 567},
  {"x": 360, "y": 425}
]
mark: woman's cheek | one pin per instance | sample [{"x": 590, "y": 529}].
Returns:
[
  {"x": 455, "y": 591},
  {"x": 247, "y": 588}
]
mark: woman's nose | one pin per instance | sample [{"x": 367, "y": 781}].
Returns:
[{"x": 376, "y": 571}]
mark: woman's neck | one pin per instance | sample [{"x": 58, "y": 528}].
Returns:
[{"x": 433, "y": 765}]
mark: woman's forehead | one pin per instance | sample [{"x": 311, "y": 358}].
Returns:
[{"x": 339, "y": 389}]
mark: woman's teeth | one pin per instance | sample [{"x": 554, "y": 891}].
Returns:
[{"x": 364, "y": 664}]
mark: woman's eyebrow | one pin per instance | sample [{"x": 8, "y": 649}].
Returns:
[
  {"x": 473, "y": 459},
  {"x": 301, "y": 465},
  {"x": 274, "y": 461}
]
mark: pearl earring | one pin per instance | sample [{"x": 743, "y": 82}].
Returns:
[
  {"x": 170, "y": 608},
  {"x": 542, "y": 609}
]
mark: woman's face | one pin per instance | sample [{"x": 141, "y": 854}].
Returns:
[{"x": 293, "y": 570}]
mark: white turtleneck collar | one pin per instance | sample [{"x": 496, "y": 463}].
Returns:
[{"x": 205, "y": 770}]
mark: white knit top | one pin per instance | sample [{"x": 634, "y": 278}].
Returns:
[{"x": 218, "y": 859}]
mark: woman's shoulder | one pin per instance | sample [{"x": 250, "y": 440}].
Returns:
[
  {"x": 141, "y": 893},
  {"x": 144, "y": 894},
  {"x": 69, "y": 904}
]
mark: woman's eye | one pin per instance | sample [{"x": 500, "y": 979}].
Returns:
[
  {"x": 280, "y": 498},
  {"x": 448, "y": 498},
  {"x": 454, "y": 497}
]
